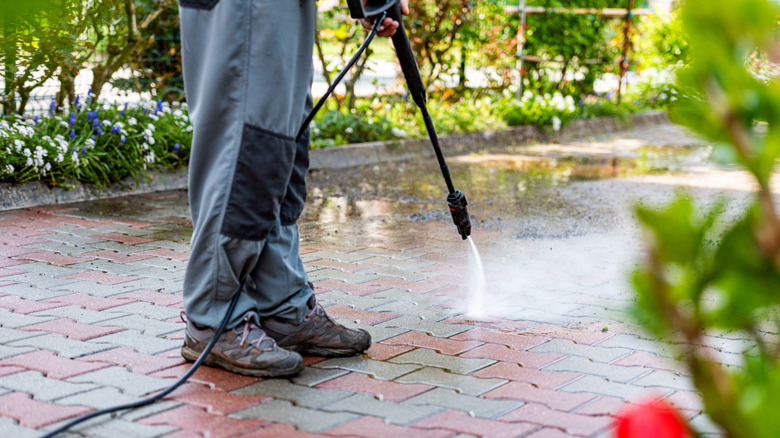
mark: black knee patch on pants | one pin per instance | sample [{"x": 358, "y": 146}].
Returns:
[
  {"x": 295, "y": 198},
  {"x": 263, "y": 169}
]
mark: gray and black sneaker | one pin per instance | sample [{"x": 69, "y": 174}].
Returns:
[
  {"x": 245, "y": 349},
  {"x": 317, "y": 335}
]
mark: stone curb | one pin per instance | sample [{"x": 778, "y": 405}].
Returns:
[{"x": 36, "y": 193}]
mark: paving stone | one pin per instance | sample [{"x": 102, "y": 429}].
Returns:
[
  {"x": 406, "y": 264},
  {"x": 87, "y": 301},
  {"x": 505, "y": 353},
  {"x": 649, "y": 360},
  {"x": 394, "y": 254},
  {"x": 171, "y": 265},
  {"x": 6, "y": 351},
  {"x": 33, "y": 413},
  {"x": 30, "y": 292},
  {"x": 103, "y": 278},
  {"x": 377, "y": 332},
  {"x": 37, "y": 280},
  {"x": 686, "y": 400},
  {"x": 306, "y": 419},
  {"x": 17, "y": 320},
  {"x": 125, "y": 239},
  {"x": 10, "y": 428},
  {"x": 358, "y": 302},
  {"x": 474, "y": 406},
  {"x": 603, "y": 406},
  {"x": 397, "y": 272},
  {"x": 146, "y": 326},
  {"x": 78, "y": 314},
  {"x": 112, "y": 428},
  {"x": 169, "y": 254},
  {"x": 601, "y": 386},
  {"x": 215, "y": 378},
  {"x": 410, "y": 322},
  {"x": 127, "y": 382},
  {"x": 379, "y": 351},
  {"x": 427, "y": 312},
  {"x": 175, "y": 246},
  {"x": 335, "y": 274},
  {"x": 158, "y": 299},
  {"x": 459, "y": 421},
  {"x": 586, "y": 366},
  {"x": 405, "y": 296},
  {"x": 132, "y": 338},
  {"x": 340, "y": 256},
  {"x": 375, "y": 368},
  {"x": 634, "y": 342},
  {"x": 42, "y": 388},
  {"x": 72, "y": 329},
  {"x": 372, "y": 427},
  {"x": 215, "y": 402},
  {"x": 380, "y": 389},
  {"x": 97, "y": 289},
  {"x": 424, "y": 340},
  {"x": 165, "y": 286},
  {"x": 464, "y": 384},
  {"x": 453, "y": 364},
  {"x": 395, "y": 413},
  {"x": 358, "y": 315},
  {"x": 365, "y": 289},
  {"x": 550, "y": 432},
  {"x": 665, "y": 379},
  {"x": 148, "y": 310},
  {"x": 8, "y": 335},
  {"x": 61, "y": 345},
  {"x": 194, "y": 420},
  {"x": 311, "y": 376},
  {"x": 138, "y": 363},
  {"x": 704, "y": 425},
  {"x": 109, "y": 245},
  {"x": 276, "y": 430},
  {"x": 117, "y": 257},
  {"x": 529, "y": 393},
  {"x": 107, "y": 267},
  {"x": 573, "y": 424},
  {"x": 51, "y": 365},
  {"x": 569, "y": 348},
  {"x": 538, "y": 378},
  {"x": 298, "y": 394}
]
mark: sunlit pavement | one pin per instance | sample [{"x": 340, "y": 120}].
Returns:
[{"x": 90, "y": 296}]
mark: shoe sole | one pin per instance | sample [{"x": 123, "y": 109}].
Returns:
[
  {"x": 312, "y": 350},
  {"x": 214, "y": 360}
]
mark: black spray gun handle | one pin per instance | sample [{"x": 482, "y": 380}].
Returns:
[{"x": 456, "y": 200}]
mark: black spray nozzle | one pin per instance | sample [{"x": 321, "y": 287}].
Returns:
[
  {"x": 460, "y": 215},
  {"x": 369, "y": 8}
]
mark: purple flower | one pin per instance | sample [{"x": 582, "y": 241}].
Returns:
[
  {"x": 123, "y": 140},
  {"x": 72, "y": 120},
  {"x": 52, "y": 107},
  {"x": 95, "y": 123},
  {"x": 84, "y": 149},
  {"x": 176, "y": 147},
  {"x": 89, "y": 96},
  {"x": 35, "y": 119},
  {"x": 100, "y": 131},
  {"x": 93, "y": 138},
  {"x": 89, "y": 116},
  {"x": 76, "y": 101},
  {"x": 144, "y": 110},
  {"x": 72, "y": 133},
  {"x": 159, "y": 105}
]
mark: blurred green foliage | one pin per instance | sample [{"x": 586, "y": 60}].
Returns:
[{"x": 707, "y": 272}]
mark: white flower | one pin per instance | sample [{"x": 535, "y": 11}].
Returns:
[
  {"x": 556, "y": 122},
  {"x": 132, "y": 121},
  {"x": 149, "y": 158},
  {"x": 348, "y": 131},
  {"x": 60, "y": 158},
  {"x": 89, "y": 143},
  {"x": 153, "y": 117},
  {"x": 9, "y": 168},
  {"x": 18, "y": 145},
  {"x": 29, "y": 162},
  {"x": 64, "y": 124},
  {"x": 107, "y": 122},
  {"x": 151, "y": 127},
  {"x": 75, "y": 158},
  {"x": 144, "y": 146},
  {"x": 26, "y": 152},
  {"x": 398, "y": 132}
]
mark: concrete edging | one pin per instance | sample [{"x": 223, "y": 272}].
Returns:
[{"x": 36, "y": 193}]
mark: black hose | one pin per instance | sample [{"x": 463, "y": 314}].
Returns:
[{"x": 170, "y": 389}]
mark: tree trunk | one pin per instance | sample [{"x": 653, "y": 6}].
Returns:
[{"x": 9, "y": 65}]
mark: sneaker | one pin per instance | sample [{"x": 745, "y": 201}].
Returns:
[
  {"x": 317, "y": 335},
  {"x": 245, "y": 349}
]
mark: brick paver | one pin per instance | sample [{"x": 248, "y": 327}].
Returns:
[{"x": 90, "y": 296}]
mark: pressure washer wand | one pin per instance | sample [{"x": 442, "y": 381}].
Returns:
[{"x": 456, "y": 200}]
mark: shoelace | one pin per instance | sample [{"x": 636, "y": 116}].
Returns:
[{"x": 248, "y": 326}]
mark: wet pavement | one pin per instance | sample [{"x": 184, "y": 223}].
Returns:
[{"x": 90, "y": 296}]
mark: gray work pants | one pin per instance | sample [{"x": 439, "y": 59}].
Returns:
[{"x": 247, "y": 74}]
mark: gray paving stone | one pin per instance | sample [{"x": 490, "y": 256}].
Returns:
[
  {"x": 6, "y": 351},
  {"x": 61, "y": 345},
  {"x": 377, "y": 333},
  {"x": 398, "y": 272},
  {"x": 406, "y": 264},
  {"x": 309, "y": 420},
  {"x": 111, "y": 245},
  {"x": 395, "y": 254},
  {"x": 602, "y": 386},
  {"x": 375, "y": 368},
  {"x": 454, "y": 364},
  {"x": 133, "y": 338},
  {"x": 665, "y": 379},
  {"x": 78, "y": 314},
  {"x": 176, "y": 246},
  {"x": 8, "y": 335},
  {"x": 337, "y": 274},
  {"x": 365, "y": 404},
  {"x": 634, "y": 342},
  {"x": 569, "y": 348},
  {"x": 427, "y": 312},
  {"x": 439, "y": 329},
  {"x": 359, "y": 302},
  {"x": 730, "y": 359},
  {"x": 30, "y": 292},
  {"x": 165, "y": 286},
  {"x": 42, "y": 388},
  {"x": 479, "y": 407},
  {"x": 146, "y": 326},
  {"x": 38, "y": 280},
  {"x": 10, "y": 428},
  {"x": 99, "y": 290},
  {"x": 160, "y": 262},
  {"x": 104, "y": 266},
  {"x": 333, "y": 255},
  {"x": 112, "y": 428},
  {"x": 582, "y": 365},
  {"x": 126, "y": 381},
  {"x": 406, "y": 296},
  {"x": 62, "y": 248},
  {"x": 298, "y": 394},
  {"x": 64, "y": 238},
  {"x": 311, "y": 376},
  {"x": 155, "y": 272},
  {"x": 463, "y": 384},
  {"x": 99, "y": 398},
  {"x": 48, "y": 270},
  {"x": 74, "y": 230},
  {"x": 703, "y": 424},
  {"x": 148, "y": 310}
]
